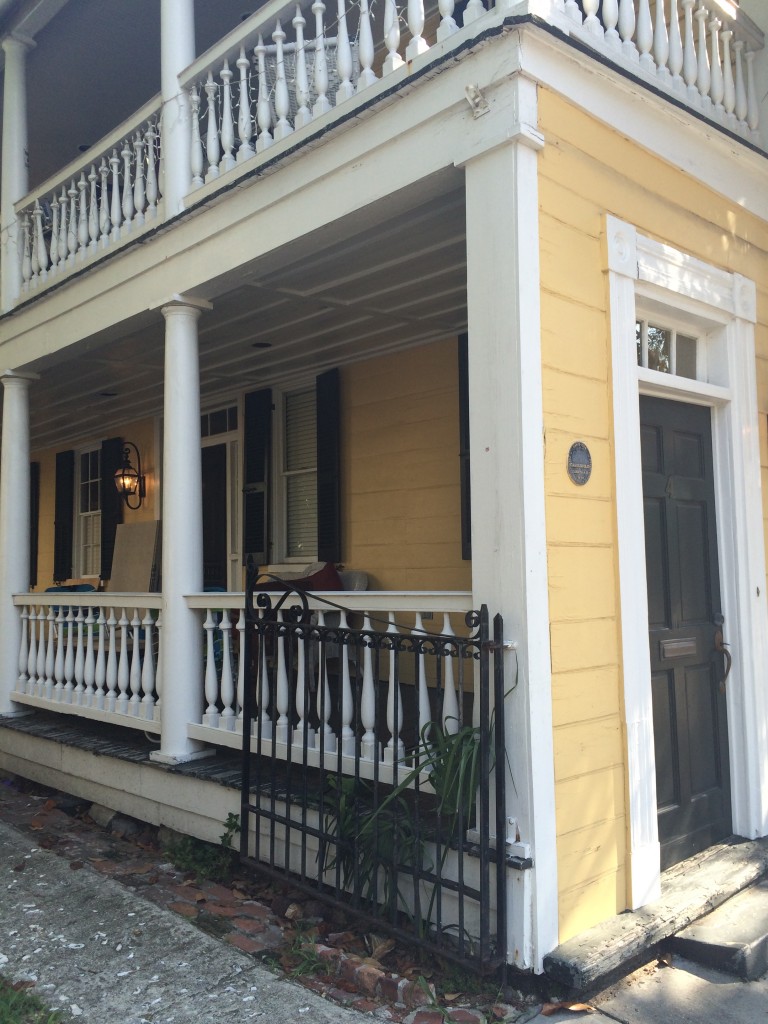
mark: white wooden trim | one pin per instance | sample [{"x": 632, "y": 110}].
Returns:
[{"x": 726, "y": 303}]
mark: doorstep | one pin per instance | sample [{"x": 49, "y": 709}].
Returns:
[{"x": 690, "y": 890}]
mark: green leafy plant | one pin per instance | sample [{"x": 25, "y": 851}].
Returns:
[
  {"x": 20, "y": 1006},
  {"x": 204, "y": 860}
]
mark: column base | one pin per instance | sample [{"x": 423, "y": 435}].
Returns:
[{"x": 196, "y": 755}]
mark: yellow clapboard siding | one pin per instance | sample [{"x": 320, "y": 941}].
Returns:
[
  {"x": 556, "y": 479},
  {"x": 584, "y": 906},
  {"x": 588, "y": 521},
  {"x": 584, "y": 643},
  {"x": 583, "y": 748},
  {"x": 584, "y": 695},
  {"x": 574, "y": 337},
  {"x": 576, "y": 404},
  {"x": 562, "y": 203},
  {"x": 584, "y": 800},
  {"x": 581, "y": 583},
  {"x": 570, "y": 257},
  {"x": 593, "y": 851}
]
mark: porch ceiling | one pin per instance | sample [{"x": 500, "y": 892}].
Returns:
[{"x": 381, "y": 280}]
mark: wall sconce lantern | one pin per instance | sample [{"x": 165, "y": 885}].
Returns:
[{"x": 130, "y": 482}]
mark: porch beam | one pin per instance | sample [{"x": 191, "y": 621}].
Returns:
[
  {"x": 14, "y": 526},
  {"x": 509, "y": 567},
  {"x": 181, "y": 652}
]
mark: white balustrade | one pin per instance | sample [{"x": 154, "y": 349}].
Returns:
[
  {"x": 91, "y": 658},
  {"x": 93, "y": 203},
  {"x": 315, "y": 697},
  {"x": 688, "y": 47}
]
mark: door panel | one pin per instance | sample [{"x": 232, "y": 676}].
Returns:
[{"x": 689, "y": 711}]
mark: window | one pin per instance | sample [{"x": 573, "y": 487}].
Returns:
[
  {"x": 89, "y": 513},
  {"x": 299, "y": 474},
  {"x": 665, "y": 350}
]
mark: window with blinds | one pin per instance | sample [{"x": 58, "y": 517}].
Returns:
[{"x": 300, "y": 473}]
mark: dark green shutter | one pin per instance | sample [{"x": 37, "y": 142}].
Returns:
[
  {"x": 34, "y": 520},
  {"x": 64, "y": 511},
  {"x": 466, "y": 496},
  {"x": 328, "y": 467},
  {"x": 257, "y": 446},
  {"x": 112, "y": 504}
]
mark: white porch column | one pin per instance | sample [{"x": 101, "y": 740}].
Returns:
[
  {"x": 14, "y": 524},
  {"x": 181, "y": 650},
  {"x": 509, "y": 555},
  {"x": 177, "y": 50},
  {"x": 14, "y": 162}
]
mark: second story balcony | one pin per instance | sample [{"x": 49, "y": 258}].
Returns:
[{"x": 285, "y": 77}]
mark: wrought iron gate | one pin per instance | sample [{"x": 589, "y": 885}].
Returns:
[{"x": 338, "y": 800}]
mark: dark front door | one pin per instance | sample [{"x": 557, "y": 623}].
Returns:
[
  {"x": 214, "y": 460},
  {"x": 689, "y": 716}
]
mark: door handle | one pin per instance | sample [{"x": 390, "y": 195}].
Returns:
[{"x": 722, "y": 648}]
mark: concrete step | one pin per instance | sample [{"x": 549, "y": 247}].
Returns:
[{"x": 733, "y": 938}]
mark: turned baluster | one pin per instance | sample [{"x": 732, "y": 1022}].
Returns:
[
  {"x": 89, "y": 669},
  {"x": 158, "y": 663},
  {"x": 675, "y": 46},
  {"x": 661, "y": 43},
  {"x": 212, "y": 148},
  {"x": 63, "y": 227},
  {"x": 703, "y": 76},
  {"x": 227, "y": 681},
  {"x": 416, "y": 20},
  {"x": 127, "y": 203},
  {"x": 626, "y": 26},
  {"x": 369, "y": 748},
  {"x": 196, "y": 153},
  {"x": 100, "y": 676},
  {"x": 227, "y": 121},
  {"x": 450, "y": 715},
  {"x": 244, "y": 120},
  {"x": 610, "y": 21},
  {"x": 474, "y": 10},
  {"x": 105, "y": 224},
  {"x": 23, "y": 650},
  {"x": 263, "y": 105},
  {"x": 82, "y": 217},
  {"x": 393, "y": 60},
  {"x": 148, "y": 669},
  {"x": 343, "y": 55},
  {"x": 645, "y": 35},
  {"x": 303, "y": 730},
  {"x": 111, "y": 701},
  {"x": 41, "y": 653},
  {"x": 301, "y": 88},
  {"x": 79, "y": 659},
  {"x": 34, "y": 265},
  {"x": 591, "y": 21},
  {"x": 54, "y": 246},
  {"x": 573, "y": 11},
  {"x": 346, "y": 734},
  {"x": 322, "y": 103},
  {"x": 717, "y": 85},
  {"x": 135, "y": 665},
  {"x": 263, "y": 727},
  {"x": 366, "y": 49},
  {"x": 282, "y": 689},
  {"x": 753, "y": 106},
  {"x": 690, "y": 61},
  {"x": 729, "y": 86},
  {"x": 150, "y": 139},
  {"x": 93, "y": 211},
  {"x": 240, "y": 669},
  {"x": 394, "y": 750},
  {"x": 326, "y": 738},
  {"x": 139, "y": 193},
  {"x": 425, "y": 712},
  {"x": 32, "y": 651},
  {"x": 211, "y": 716},
  {"x": 58, "y": 668},
  {"x": 282, "y": 99},
  {"x": 740, "y": 108},
  {"x": 123, "y": 671},
  {"x": 116, "y": 209},
  {"x": 42, "y": 249},
  {"x": 447, "y": 25},
  {"x": 26, "y": 255},
  {"x": 69, "y": 657}
]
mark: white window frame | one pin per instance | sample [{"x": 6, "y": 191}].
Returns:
[
  {"x": 279, "y": 538},
  {"x": 720, "y": 308},
  {"x": 80, "y": 517},
  {"x": 233, "y": 440}
]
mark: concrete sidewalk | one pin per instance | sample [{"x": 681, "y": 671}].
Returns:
[{"x": 103, "y": 954}]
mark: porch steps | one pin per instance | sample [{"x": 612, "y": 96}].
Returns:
[{"x": 690, "y": 891}]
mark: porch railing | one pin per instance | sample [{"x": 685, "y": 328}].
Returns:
[
  {"x": 404, "y": 828},
  {"x": 688, "y": 48},
  {"x": 91, "y": 655},
  {"x": 107, "y": 196}
]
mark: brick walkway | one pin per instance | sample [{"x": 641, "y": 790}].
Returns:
[{"x": 259, "y": 917}]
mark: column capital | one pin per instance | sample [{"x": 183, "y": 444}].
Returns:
[
  {"x": 16, "y": 41},
  {"x": 18, "y": 377},
  {"x": 183, "y": 301}
]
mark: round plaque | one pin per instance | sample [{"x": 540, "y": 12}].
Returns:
[{"x": 579, "y": 463}]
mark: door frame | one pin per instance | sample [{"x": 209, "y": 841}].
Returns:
[{"x": 648, "y": 277}]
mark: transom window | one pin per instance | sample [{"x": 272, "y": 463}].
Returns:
[
  {"x": 299, "y": 472},
  {"x": 220, "y": 421},
  {"x": 89, "y": 513},
  {"x": 665, "y": 350}
]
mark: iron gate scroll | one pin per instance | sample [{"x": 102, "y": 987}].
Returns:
[{"x": 397, "y": 825}]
